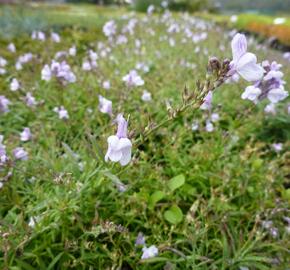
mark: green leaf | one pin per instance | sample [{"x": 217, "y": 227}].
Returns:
[
  {"x": 156, "y": 197},
  {"x": 176, "y": 182},
  {"x": 174, "y": 215}
]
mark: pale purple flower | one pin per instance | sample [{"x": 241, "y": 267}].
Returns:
[
  {"x": 2, "y": 71},
  {"x": 30, "y": 100},
  {"x": 46, "y": 73},
  {"x": 140, "y": 240},
  {"x": 146, "y": 96},
  {"x": 209, "y": 126},
  {"x": 18, "y": 65},
  {"x": 14, "y": 85},
  {"x": 110, "y": 28},
  {"x": 286, "y": 56},
  {"x": 278, "y": 147},
  {"x": 106, "y": 85},
  {"x": 62, "y": 71},
  {"x": 105, "y": 105},
  {"x": 93, "y": 55},
  {"x": 4, "y": 103},
  {"x": 62, "y": 112},
  {"x": 270, "y": 108},
  {"x": 86, "y": 66},
  {"x": 252, "y": 93},
  {"x": 150, "y": 252},
  {"x": 274, "y": 232},
  {"x": 119, "y": 146},
  {"x": 244, "y": 63},
  {"x": 40, "y": 36},
  {"x": 60, "y": 54},
  {"x": 11, "y": 47},
  {"x": 121, "y": 39},
  {"x": 133, "y": 79},
  {"x": 206, "y": 105},
  {"x": 164, "y": 4},
  {"x": 214, "y": 117},
  {"x": 20, "y": 154},
  {"x": 142, "y": 66},
  {"x": 3, "y": 62},
  {"x": 55, "y": 37},
  {"x": 277, "y": 94},
  {"x": 271, "y": 86},
  {"x": 150, "y": 9},
  {"x": 25, "y": 58},
  {"x": 3, "y": 156},
  {"x": 25, "y": 135}
]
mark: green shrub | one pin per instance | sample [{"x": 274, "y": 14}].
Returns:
[
  {"x": 14, "y": 22},
  {"x": 142, "y": 5}
]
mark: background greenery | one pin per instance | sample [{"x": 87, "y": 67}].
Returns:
[{"x": 224, "y": 184}]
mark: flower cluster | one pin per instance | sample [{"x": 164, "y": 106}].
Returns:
[
  {"x": 148, "y": 252},
  {"x": 61, "y": 71}
]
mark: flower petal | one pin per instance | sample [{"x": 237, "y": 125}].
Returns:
[
  {"x": 115, "y": 155},
  {"x": 239, "y": 46},
  {"x": 248, "y": 68},
  {"x": 124, "y": 143},
  {"x": 113, "y": 141}
]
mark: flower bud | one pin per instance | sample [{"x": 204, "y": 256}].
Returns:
[{"x": 213, "y": 64}]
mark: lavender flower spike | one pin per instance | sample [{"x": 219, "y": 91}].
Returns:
[
  {"x": 244, "y": 63},
  {"x": 119, "y": 146}
]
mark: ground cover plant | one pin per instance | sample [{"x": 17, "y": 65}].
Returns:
[{"x": 148, "y": 141}]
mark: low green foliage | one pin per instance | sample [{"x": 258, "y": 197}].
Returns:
[{"x": 200, "y": 197}]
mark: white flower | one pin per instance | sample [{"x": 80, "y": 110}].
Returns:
[
  {"x": 194, "y": 126},
  {"x": 46, "y": 73},
  {"x": 251, "y": 93},
  {"x": 279, "y": 21},
  {"x": 72, "y": 51},
  {"x": 150, "y": 252},
  {"x": 234, "y": 18},
  {"x": 14, "y": 85}
]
